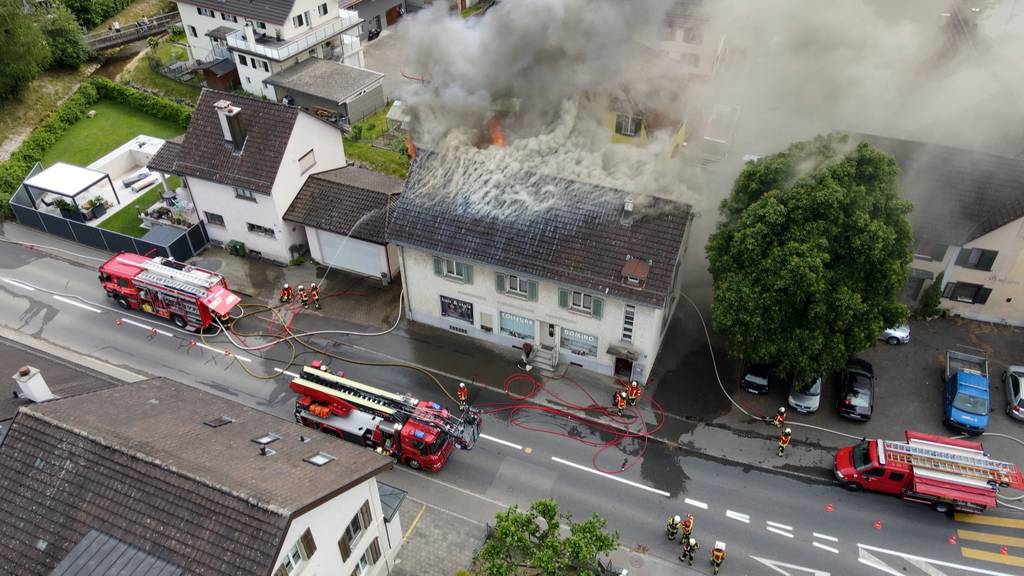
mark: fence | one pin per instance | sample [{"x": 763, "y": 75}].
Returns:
[
  {"x": 99, "y": 41},
  {"x": 180, "y": 247}
]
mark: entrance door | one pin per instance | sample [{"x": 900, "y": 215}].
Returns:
[
  {"x": 548, "y": 336},
  {"x": 623, "y": 368}
]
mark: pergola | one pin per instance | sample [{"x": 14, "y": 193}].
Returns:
[{"x": 65, "y": 180}]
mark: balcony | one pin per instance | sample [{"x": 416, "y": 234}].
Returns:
[{"x": 280, "y": 50}]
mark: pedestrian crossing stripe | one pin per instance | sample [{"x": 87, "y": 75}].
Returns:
[
  {"x": 996, "y": 557},
  {"x": 990, "y": 538},
  {"x": 990, "y": 520}
]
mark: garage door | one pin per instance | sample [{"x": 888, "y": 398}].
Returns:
[{"x": 350, "y": 254}]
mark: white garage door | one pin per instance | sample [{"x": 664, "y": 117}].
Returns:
[{"x": 350, "y": 254}]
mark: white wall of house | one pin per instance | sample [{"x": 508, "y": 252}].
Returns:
[
  {"x": 200, "y": 45},
  {"x": 424, "y": 290},
  {"x": 290, "y": 30},
  {"x": 327, "y": 524},
  {"x": 1006, "y": 278},
  {"x": 308, "y": 134},
  {"x": 352, "y": 254},
  {"x": 252, "y": 74},
  {"x": 237, "y": 213}
]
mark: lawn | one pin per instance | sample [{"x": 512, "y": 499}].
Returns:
[
  {"x": 42, "y": 96},
  {"x": 140, "y": 73},
  {"x": 127, "y": 221},
  {"x": 392, "y": 161},
  {"x": 113, "y": 125}
]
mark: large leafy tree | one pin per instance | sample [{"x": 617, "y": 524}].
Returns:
[
  {"x": 545, "y": 541},
  {"x": 811, "y": 256},
  {"x": 23, "y": 53},
  {"x": 63, "y": 36}
]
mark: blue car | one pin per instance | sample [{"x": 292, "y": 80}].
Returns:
[{"x": 966, "y": 399}]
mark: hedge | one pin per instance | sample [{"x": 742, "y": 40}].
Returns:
[{"x": 14, "y": 170}]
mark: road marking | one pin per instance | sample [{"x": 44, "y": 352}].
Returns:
[
  {"x": 870, "y": 560},
  {"x": 696, "y": 503},
  {"x": 777, "y": 525},
  {"x": 75, "y": 303},
  {"x": 927, "y": 568},
  {"x": 500, "y": 441},
  {"x": 141, "y": 325},
  {"x": 825, "y": 537},
  {"x": 996, "y": 557},
  {"x": 823, "y": 547},
  {"x": 610, "y": 477},
  {"x": 286, "y": 373},
  {"x": 990, "y": 538},
  {"x": 19, "y": 285},
  {"x": 778, "y": 567},
  {"x": 414, "y": 522},
  {"x": 777, "y": 531},
  {"x": 911, "y": 558},
  {"x": 737, "y": 516},
  {"x": 221, "y": 351},
  {"x": 989, "y": 520}
]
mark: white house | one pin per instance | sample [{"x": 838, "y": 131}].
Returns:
[
  {"x": 580, "y": 271},
  {"x": 162, "y": 478},
  {"x": 243, "y": 161},
  {"x": 687, "y": 37}
]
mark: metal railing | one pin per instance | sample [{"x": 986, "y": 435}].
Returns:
[
  {"x": 130, "y": 32},
  {"x": 284, "y": 49}
]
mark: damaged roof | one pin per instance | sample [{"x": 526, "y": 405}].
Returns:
[
  {"x": 337, "y": 200},
  {"x": 582, "y": 239}
]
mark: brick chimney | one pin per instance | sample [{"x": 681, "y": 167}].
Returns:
[{"x": 231, "y": 124}]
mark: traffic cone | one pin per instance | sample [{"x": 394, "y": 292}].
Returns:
[
  {"x": 828, "y": 507},
  {"x": 227, "y": 352},
  {"x": 152, "y": 331},
  {"x": 1004, "y": 551},
  {"x": 878, "y": 525},
  {"x": 951, "y": 540},
  {"x": 191, "y": 343},
  {"x": 118, "y": 322}
]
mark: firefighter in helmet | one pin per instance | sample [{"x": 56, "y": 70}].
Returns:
[
  {"x": 463, "y": 394},
  {"x": 674, "y": 523},
  {"x": 784, "y": 440},
  {"x": 718, "y": 555},
  {"x": 688, "y": 548},
  {"x": 619, "y": 400},
  {"x": 634, "y": 392},
  {"x": 287, "y": 293},
  {"x": 314, "y": 295},
  {"x": 780, "y": 417},
  {"x": 687, "y": 526},
  {"x": 303, "y": 296}
]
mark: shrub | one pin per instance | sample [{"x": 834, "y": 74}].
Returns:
[
  {"x": 297, "y": 261},
  {"x": 357, "y": 132},
  {"x": 64, "y": 37},
  {"x": 932, "y": 299}
]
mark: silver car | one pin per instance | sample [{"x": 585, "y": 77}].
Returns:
[
  {"x": 806, "y": 399},
  {"x": 1013, "y": 382},
  {"x": 896, "y": 335}
]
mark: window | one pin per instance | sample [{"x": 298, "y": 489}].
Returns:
[
  {"x": 354, "y": 530},
  {"x": 300, "y": 552},
  {"x": 693, "y": 35},
  {"x": 627, "y": 125},
  {"x": 929, "y": 251},
  {"x": 628, "y": 318},
  {"x": 206, "y": 12},
  {"x": 242, "y": 60},
  {"x": 322, "y": 9},
  {"x": 261, "y": 25},
  {"x": 214, "y": 219},
  {"x": 312, "y": 52},
  {"x": 578, "y": 343},
  {"x": 228, "y": 17},
  {"x": 516, "y": 326},
  {"x": 192, "y": 32},
  {"x": 247, "y": 80},
  {"x": 516, "y": 284},
  {"x": 307, "y": 161},
  {"x": 369, "y": 558},
  {"x": 297, "y": 21},
  {"x": 266, "y": 65},
  {"x": 976, "y": 258},
  {"x": 261, "y": 230},
  {"x": 875, "y": 473},
  {"x": 896, "y": 476},
  {"x": 692, "y": 60},
  {"x": 453, "y": 269},
  {"x": 245, "y": 194},
  {"x": 966, "y": 292},
  {"x": 580, "y": 302}
]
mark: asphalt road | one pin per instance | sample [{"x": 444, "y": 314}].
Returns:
[{"x": 766, "y": 519}]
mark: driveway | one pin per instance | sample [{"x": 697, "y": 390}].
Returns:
[{"x": 386, "y": 55}]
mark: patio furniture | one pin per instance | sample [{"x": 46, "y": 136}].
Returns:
[
  {"x": 134, "y": 178},
  {"x": 68, "y": 182}
]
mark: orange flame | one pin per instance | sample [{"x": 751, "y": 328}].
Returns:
[
  {"x": 410, "y": 148},
  {"x": 496, "y": 132}
]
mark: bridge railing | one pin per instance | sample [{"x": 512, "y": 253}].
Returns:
[{"x": 130, "y": 32}]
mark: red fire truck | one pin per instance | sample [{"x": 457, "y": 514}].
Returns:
[
  {"x": 946, "y": 473},
  {"x": 418, "y": 433},
  {"x": 188, "y": 296}
]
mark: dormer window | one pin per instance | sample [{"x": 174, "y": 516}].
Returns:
[
  {"x": 633, "y": 281},
  {"x": 634, "y": 273}
]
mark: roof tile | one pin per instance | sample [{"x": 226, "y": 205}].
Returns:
[{"x": 348, "y": 201}]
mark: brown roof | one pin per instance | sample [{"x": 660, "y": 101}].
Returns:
[
  {"x": 137, "y": 463},
  {"x": 336, "y": 200},
  {"x": 165, "y": 157}
]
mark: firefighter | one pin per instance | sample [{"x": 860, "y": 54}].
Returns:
[
  {"x": 527, "y": 354},
  {"x": 718, "y": 555},
  {"x": 287, "y": 293},
  {"x": 687, "y": 526},
  {"x": 463, "y": 394},
  {"x": 688, "y": 548},
  {"x": 314, "y": 295},
  {"x": 303, "y": 296},
  {"x": 780, "y": 417},
  {"x": 673, "y": 527},
  {"x": 619, "y": 400},
  {"x": 633, "y": 391},
  {"x": 784, "y": 440}
]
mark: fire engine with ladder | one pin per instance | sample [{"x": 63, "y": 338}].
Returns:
[
  {"x": 188, "y": 296},
  {"x": 947, "y": 473},
  {"x": 418, "y": 433}
]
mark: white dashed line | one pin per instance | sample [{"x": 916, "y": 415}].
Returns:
[
  {"x": 610, "y": 477},
  {"x": 777, "y": 531},
  {"x": 825, "y": 537},
  {"x": 19, "y": 285},
  {"x": 737, "y": 516},
  {"x": 146, "y": 327},
  {"x": 823, "y": 547},
  {"x": 79, "y": 304},
  {"x": 777, "y": 525},
  {"x": 220, "y": 351},
  {"x": 286, "y": 373},
  {"x": 500, "y": 441},
  {"x": 696, "y": 503}
]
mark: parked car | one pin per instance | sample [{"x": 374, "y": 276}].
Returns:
[
  {"x": 805, "y": 398},
  {"x": 1013, "y": 381},
  {"x": 966, "y": 402},
  {"x": 755, "y": 379},
  {"x": 857, "y": 390},
  {"x": 896, "y": 335}
]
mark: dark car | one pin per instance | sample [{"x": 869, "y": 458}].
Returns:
[
  {"x": 857, "y": 390},
  {"x": 755, "y": 379}
]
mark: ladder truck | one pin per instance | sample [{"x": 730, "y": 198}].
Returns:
[
  {"x": 946, "y": 473},
  {"x": 190, "y": 297},
  {"x": 418, "y": 433}
]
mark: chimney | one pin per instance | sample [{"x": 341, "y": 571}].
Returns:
[
  {"x": 627, "y": 212},
  {"x": 32, "y": 385},
  {"x": 231, "y": 124},
  {"x": 250, "y": 33}
]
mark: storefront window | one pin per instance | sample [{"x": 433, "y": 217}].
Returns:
[
  {"x": 579, "y": 343},
  {"x": 457, "y": 309},
  {"x": 516, "y": 326}
]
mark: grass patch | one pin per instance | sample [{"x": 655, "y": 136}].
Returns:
[
  {"x": 471, "y": 10},
  {"x": 42, "y": 96},
  {"x": 113, "y": 125},
  {"x": 168, "y": 53},
  {"x": 392, "y": 161},
  {"x": 127, "y": 220},
  {"x": 140, "y": 73}
]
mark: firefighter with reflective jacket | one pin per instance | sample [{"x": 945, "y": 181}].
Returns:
[
  {"x": 634, "y": 392},
  {"x": 784, "y": 440},
  {"x": 780, "y": 417},
  {"x": 303, "y": 296},
  {"x": 718, "y": 555},
  {"x": 314, "y": 295},
  {"x": 674, "y": 523},
  {"x": 463, "y": 394},
  {"x": 689, "y": 547},
  {"x": 287, "y": 293},
  {"x": 687, "y": 526},
  {"x": 620, "y": 401}
]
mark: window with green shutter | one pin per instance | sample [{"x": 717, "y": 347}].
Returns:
[
  {"x": 499, "y": 282},
  {"x": 467, "y": 273},
  {"x": 597, "y": 307},
  {"x": 563, "y": 298},
  {"x": 531, "y": 290},
  {"x": 438, "y": 266}
]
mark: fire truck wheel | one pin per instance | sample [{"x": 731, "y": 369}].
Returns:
[
  {"x": 123, "y": 302},
  {"x": 414, "y": 464},
  {"x": 941, "y": 507},
  {"x": 853, "y": 487},
  {"x": 179, "y": 321}
]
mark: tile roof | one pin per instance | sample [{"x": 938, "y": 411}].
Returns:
[
  {"x": 102, "y": 554},
  {"x": 137, "y": 463},
  {"x": 336, "y": 200},
  {"x": 580, "y": 240},
  {"x": 958, "y": 195},
  {"x": 165, "y": 157},
  {"x": 271, "y": 11},
  {"x": 326, "y": 79},
  {"x": 205, "y": 154}
]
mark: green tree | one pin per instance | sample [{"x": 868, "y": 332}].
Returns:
[
  {"x": 811, "y": 257},
  {"x": 546, "y": 541},
  {"x": 24, "y": 53},
  {"x": 931, "y": 300},
  {"x": 63, "y": 36}
]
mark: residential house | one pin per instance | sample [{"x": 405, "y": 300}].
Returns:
[
  {"x": 345, "y": 212},
  {"x": 379, "y": 15},
  {"x": 968, "y": 224},
  {"x": 631, "y": 122},
  {"x": 157, "y": 477},
  {"x": 687, "y": 37},
  {"x": 578, "y": 270},
  {"x": 243, "y": 160},
  {"x": 331, "y": 90},
  {"x": 264, "y": 37}
]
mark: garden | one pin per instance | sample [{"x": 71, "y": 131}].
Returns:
[
  {"x": 164, "y": 53},
  {"x": 364, "y": 144}
]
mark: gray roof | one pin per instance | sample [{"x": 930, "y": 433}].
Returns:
[
  {"x": 958, "y": 195},
  {"x": 337, "y": 200},
  {"x": 580, "y": 240},
  {"x": 220, "y": 32},
  {"x": 101, "y": 554},
  {"x": 685, "y": 13},
  {"x": 272, "y": 11},
  {"x": 326, "y": 79}
]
